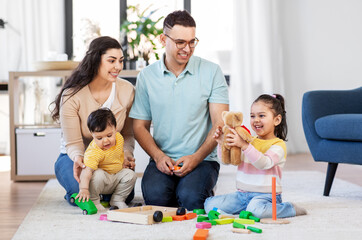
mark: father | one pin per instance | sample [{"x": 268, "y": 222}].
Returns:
[{"x": 183, "y": 96}]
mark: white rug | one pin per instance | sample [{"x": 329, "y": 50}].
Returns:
[{"x": 336, "y": 217}]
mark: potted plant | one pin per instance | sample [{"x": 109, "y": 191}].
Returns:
[{"x": 141, "y": 33}]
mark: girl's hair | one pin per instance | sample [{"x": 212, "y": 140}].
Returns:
[
  {"x": 99, "y": 120},
  {"x": 86, "y": 70},
  {"x": 276, "y": 103}
]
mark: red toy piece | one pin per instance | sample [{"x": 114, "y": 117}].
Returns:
[
  {"x": 191, "y": 216},
  {"x": 179, "y": 217}
]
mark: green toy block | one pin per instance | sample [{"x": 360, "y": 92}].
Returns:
[
  {"x": 224, "y": 221},
  {"x": 248, "y": 215},
  {"x": 254, "y": 229},
  {"x": 202, "y": 218},
  {"x": 238, "y": 225},
  {"x": 213, "y": 222},
  {"x": 254, "y": 218},
  {"x": 199, "y": 211},
  {"x": 244, "y": 221},
  {"x": 213, "y": 215},
  {"x": 167, "y": 219}
]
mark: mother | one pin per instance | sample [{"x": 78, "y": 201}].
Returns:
[{"x": 92, "y": 85}]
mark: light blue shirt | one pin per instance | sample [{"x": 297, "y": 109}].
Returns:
[{"x": 179, "y": 106}]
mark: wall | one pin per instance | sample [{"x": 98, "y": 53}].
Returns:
[{"x": 322, "y": 44}]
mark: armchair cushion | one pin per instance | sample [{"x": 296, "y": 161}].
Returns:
[{"x": 345, "y": 127}]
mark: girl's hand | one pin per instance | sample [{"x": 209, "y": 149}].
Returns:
[
  {"x": 218, "y": 135},
  {"x": 234, "y": 140}
]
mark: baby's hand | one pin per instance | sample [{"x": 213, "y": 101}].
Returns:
[
  {"x": 83, "y": 195},
  {"x": 218, "y": 135}
]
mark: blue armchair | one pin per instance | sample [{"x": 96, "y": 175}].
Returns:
[{"x": 332, "y": 123}]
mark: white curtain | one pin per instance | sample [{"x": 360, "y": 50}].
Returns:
[
  {"x": 256, "y": 65},
  {"x": 34, "y": 29}
]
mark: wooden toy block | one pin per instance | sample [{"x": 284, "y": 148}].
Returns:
[
  {"x": 254, "y": 229},
  {"x": 201, "y": 234},
  {"x": 210, "y": 221},
  {"x": 213, "y": 215},
  {"x": 190, "y": 216},
  {"x": 238, "y": 225},
  {"x": 179, "y": 217},
  {"x": 224, "y": 221},
  {"x": 244, "y": 221},
  {"x": 139, "y": 215},
  {"x": 203, "y": 225},
  {"x": 239, "y": 230},
  {"x": 202, "y": 218},
  {"x": 199, "y": 211},
  {"x": 274, "y": 219},
  {"x": 167, "y": 219}
]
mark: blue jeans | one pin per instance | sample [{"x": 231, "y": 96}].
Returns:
[
  {"x": 64, "y": 173},
  {"x": 189, "y": 191},
  {"x": 260, "y": 204}
]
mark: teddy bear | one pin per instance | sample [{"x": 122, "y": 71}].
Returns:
[{"x": 233, "y": 120}]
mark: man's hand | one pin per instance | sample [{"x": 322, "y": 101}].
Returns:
[
  {"x": 189, "y": 163},
  {"x": 164, "y": 164},
  {"x": 77, "y": 167}
]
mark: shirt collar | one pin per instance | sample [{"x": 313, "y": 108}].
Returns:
[{"x": 190, "y": 66}]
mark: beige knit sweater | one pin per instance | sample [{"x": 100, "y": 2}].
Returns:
[{"x": 75, "y": 110}]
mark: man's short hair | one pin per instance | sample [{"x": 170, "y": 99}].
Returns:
[{"x": 179, "y": 17}]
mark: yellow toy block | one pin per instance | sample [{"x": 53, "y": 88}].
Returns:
[
  {"x": 244, "y": 221},
  {"x": 167, "y": 219},
  {"x": 224, "y": 221}
]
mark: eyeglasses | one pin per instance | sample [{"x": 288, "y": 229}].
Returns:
[{"x": 181, "y": 44}]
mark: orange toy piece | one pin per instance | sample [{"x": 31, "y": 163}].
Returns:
[
  {"x": 201, "y": 234},
  {"x": 179, "y": 217},
  {"x": 175, "y": 168},
  {"x": 190, "y": 216}
]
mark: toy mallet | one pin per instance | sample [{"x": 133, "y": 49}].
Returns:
[{"x": 274, "y": 219}]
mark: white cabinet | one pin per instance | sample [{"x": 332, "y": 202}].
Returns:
[
  {"x": 37, "y": 149},
  {"x": 34, "y": 137}
]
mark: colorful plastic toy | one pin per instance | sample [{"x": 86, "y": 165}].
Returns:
[
  {"x": 248, "y": 215},
  {"x": 244, "y": 221},
  {"x": 179, "y": 217},
  {"x": 203, "y": 225},
  {"x": 201, "y": 234},
  {"x": 167, "y": 219},
  {"x": 88, "y": 207},
  {"x": 213, "y": 215},
  {"x": 223, "y": 221},
  {"x": 238, "y": 225},
  {"x": 199, "y": 211},
  {"x": 202, "y": 218},
  {"x": 254, "y": 229},
  {"x": 190, "y": 216},
  {"x": 210, "y": 221}
]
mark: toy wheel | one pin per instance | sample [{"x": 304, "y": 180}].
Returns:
[
  {"x": 157, "y": 216},
  {"x": 72, "y": 200},
  {"x": 85, "y": 212},
  {"x": 113, "y": 208},
  {"x": 181, "y": 211}
]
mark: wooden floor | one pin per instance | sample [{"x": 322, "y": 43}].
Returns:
[{"x": 17, "y": 198}]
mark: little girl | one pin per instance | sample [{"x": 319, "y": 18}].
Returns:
[{"x": 262, "y": 159}]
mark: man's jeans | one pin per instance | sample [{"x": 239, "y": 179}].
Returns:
[{"x": 189, "y": 191}]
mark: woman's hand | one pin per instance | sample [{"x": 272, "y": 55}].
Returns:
[
  {"x": 77, "y": 167},
  {"x": 129, "y": 160},
  {"x": 219, "y": 135},
  {"x": 234, "y": 140}
]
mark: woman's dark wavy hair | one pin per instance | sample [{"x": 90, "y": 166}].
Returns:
[
  {"x": 86, "y": 70},
  {"x": 277, "y": 105}
]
